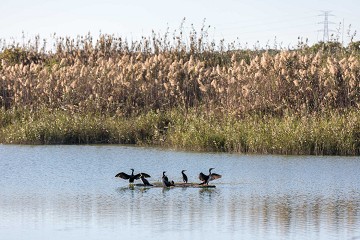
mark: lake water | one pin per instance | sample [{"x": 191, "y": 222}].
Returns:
[{"x": 70, "y": 192}]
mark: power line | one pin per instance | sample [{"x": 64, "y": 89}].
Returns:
[{"x": 326, "y": 23}]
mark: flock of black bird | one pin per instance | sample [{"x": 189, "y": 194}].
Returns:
[{"x": 165, "y": 180}]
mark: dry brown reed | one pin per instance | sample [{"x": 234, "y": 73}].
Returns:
[{"x": 115, "y": 77}]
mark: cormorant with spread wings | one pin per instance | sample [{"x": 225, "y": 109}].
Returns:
[
  {"x": 207, "y": 178},
  {"x": 131, "y": 177}
]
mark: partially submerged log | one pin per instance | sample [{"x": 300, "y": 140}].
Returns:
[{"x": 180, "y": 185}]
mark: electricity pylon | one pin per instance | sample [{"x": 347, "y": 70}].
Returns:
[{"x": 326, "y": 23}]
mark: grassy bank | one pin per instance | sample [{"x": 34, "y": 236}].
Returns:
[
  {"x": 182, "y": 93},
  {"x": 328, "y": 134}
]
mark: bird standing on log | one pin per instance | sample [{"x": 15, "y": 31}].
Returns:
[
  {"x": 165, "y": 181},
  {"x": 144, "y": 180},
  {"x": 207, "y": 178},
  {"x": 131, "y": 177},
  {"x": 185, "y": 178}
]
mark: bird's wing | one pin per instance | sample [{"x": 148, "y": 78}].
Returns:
[
  {"x": 137, "y": 176},
  {"x": 202, "y": 177},
  {"x": 214, "y": 176},
  {"x": 145, "y": 175},
  {"x": 122, "y": 175}
]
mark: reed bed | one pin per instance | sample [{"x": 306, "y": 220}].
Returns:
[
  {"x": 108, "y": 77},
  {"x": 328, "y": 134},
  {"x": 96, "y": 92}
]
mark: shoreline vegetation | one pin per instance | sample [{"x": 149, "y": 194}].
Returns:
[
  {"x": 191, "y": 94},
  {"x": 326, "y": 134}
]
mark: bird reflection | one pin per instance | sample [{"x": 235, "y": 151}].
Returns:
[
  {"x": 207, "y": 192},
  {"x": 256, "y": 213},
  {"x": 125, "y": 189},
  {"x": 165, "y": 190},
  {"x": 144, "y": 189}
]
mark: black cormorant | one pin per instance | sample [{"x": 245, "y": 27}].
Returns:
[
  {"x": 144, "y": 180},
  {"x": 165, "y": 181},
  {"x": 207, "y": 178},
  {"x": 131, "y": 177},
  {"x": 185, "y": 178}
]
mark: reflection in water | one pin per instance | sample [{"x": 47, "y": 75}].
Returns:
[
  {"x": 198, "y": 209},
  {"x": 125, "y": 189},
  {"x": 69, "y": 192}
]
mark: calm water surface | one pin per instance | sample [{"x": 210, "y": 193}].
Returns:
[{"x": 69, "y": 192}]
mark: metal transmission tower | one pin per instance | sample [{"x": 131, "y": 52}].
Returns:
[{"x": 326, "y": 23}]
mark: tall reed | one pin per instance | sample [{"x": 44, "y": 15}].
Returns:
[
  {"x": 116, "y": 77},
  {"x": 108, "y": 81}
]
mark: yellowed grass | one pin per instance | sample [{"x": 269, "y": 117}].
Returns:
[{"x": 108, "y": 78}]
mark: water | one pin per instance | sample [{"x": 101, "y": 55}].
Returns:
[{"x": 69, "y": 192}]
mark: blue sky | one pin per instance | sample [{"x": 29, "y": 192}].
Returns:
[{"x": 247, "y": 21}]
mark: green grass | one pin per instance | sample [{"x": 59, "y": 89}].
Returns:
[{"x": 326, "y": 134}]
